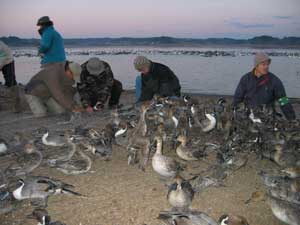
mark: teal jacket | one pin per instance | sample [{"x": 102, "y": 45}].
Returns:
[{"x": 52, "y": 46}]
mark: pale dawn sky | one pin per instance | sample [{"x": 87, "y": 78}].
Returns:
[{"x": 133, "y": 18}]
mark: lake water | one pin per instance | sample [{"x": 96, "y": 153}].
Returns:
[{"x": 218, "y": 74}]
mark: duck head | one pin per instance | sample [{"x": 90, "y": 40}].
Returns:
[
  {"x": 221, "y": 101},
  {"x": 41, "y": 215},
  {"x": 182, "y": 139},
  {"x": 232, "y": 220},
  {"x": 29, "y": 148}
]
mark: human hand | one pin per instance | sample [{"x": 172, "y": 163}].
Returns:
[
  {"x": 89, "y": 109},
  {"x": 77, "y": 109}
]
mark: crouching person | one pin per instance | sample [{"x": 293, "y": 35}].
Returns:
[
  {"x": 97, "y": 84},
  {"x": 52, "y": 90},
  {"x": 155, "y": 79}
]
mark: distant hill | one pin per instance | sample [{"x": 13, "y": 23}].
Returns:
[{"x": 261, "y": 41}]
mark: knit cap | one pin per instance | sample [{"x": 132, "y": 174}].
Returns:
[{"x": 140, "y": 62}]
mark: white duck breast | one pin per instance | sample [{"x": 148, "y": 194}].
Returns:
[
  {"x": 161, "y": 165},
  {"x": 18, "y": 193},
  {"x": 120, "y": 132},
  {"x": 180, "y": 194},
  {"x": 253, "y": 119},
  {"x": 179, "y": 199},
  {"x": 175, "y": 120},
  {"x": 3, "y": 148},
  {"x": 212, "y": 123},
  {"x": 164, "y": 165}
]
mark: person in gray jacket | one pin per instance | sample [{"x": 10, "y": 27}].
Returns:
[
  {"x": 7, "y": 65},
  {"x": 52, "y": 90}
]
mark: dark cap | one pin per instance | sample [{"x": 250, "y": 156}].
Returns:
[{"x": 43, "y": 20}]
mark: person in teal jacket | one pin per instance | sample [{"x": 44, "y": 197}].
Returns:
[{"x": 52, "y": 45}]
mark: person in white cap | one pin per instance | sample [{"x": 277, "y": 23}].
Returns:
[
  {"x": 52, "y": 90},
  {"x": 261, "y": 87},
  {"x": 97, "y": 85}
]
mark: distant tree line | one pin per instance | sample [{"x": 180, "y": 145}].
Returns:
[{"x": 157, "y": 41}]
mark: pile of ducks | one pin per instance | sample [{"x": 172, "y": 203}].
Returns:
[
  {"x": 69, "y": 152},
  {"x": 171, "y": 135}
]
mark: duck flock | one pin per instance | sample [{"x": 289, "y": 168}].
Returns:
[{"x": 172, "y": 135}]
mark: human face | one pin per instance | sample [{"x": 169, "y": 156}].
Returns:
[
  {"x": 69, "y": 74},
  {"x": 263, "y": 68},
  {"x": 145, "y": 70}
]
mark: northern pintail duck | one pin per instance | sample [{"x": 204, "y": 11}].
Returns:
[
  {"x": 43, "y": 218},
  {"x": 186, "y": 151},
  {"x": 180, "y": 194},
  {"x": 52, "y": 139},
  {"x": 186, "y": 218},
  {"x": 164, "y": 165},
  {"x": 40, "y": 188}
]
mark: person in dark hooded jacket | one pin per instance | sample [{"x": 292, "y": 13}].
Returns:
[
  {"x": 261, "y": 87},
  {"x": 155, "y": 78}
]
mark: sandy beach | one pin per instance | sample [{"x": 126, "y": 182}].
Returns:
[{"x": 118, "y": 194}]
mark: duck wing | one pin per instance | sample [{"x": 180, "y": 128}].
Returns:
[
  {"x": 186, "y": 218},
  {"x": 172, "y": 164}
]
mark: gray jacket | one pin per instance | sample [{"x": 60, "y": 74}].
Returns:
[{"x": 6, "y": 55}]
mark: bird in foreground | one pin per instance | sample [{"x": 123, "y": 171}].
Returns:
[
  {"x": 43, "y": 218},
  {"x": 25, "y": 164},
  {"x": 39, "y": 188},
  {"x": 232, "y": 220},
  {"x": 276, "y": 180},
  {"x": 292, "y": 172},
  {"x": 285, "y": 211},
  {"x": 3, "y": 146},
  {"x": 199, "y": 218},
  {"x": 200, "y": 183},
  {"x": 55, "y": 140},
  {"x": 206, "y": 125},
  {"x": 164, "y": 165},
  {"x": 186, "y": 218},
  {"x": 180, "y": 194}
]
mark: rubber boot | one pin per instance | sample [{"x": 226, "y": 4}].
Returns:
[
  {"x": 36, "y": 105},
  {"x": 54, "y": 107},
  {"x": 15, "y": 95}
]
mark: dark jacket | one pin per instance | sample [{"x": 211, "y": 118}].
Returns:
[
  {"x": 95, "y": 89},
  {"x": 265, "y": 90},
  {"x": 160, "y": 80}
]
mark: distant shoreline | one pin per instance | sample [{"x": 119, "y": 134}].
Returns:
[
  {"x": 265, "y": 42},
  {"x": 212, "y": 46}
]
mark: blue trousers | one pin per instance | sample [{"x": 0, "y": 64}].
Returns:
[{"x": 138, "y": 87}]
